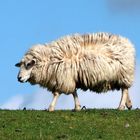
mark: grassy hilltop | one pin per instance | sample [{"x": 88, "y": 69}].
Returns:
[{"x": 93, "y": 124}]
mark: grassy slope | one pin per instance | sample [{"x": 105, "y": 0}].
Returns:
[{"x": 84, "y": 125}]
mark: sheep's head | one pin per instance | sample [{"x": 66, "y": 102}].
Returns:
[
  {"x": 26, "y": 66},
  {"x": 33, "y": 63}
]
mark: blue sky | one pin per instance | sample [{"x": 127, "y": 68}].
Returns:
[{"x": 28, "y": 22}]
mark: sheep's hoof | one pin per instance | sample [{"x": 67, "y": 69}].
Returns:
[
  {"x": 129, "y": 107},
  {"x": 122, "y": 107},
  {"x": 78, "y": 108},
  {"x": 51, "y": 109}
]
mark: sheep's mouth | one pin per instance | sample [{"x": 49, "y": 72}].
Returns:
[{"x": 23, "y": 79}]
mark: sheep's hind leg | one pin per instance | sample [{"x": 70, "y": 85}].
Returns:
[
  {"x": 128, "y": 103},
  {"x": 53, "y": 103},
  {"x": 76, "y": 101},
  {"x": 123, "y": 99}
]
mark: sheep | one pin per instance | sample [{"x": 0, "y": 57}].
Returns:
[{"x": 99, "y": 62}]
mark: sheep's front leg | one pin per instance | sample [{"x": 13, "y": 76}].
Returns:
[
  {"x": 123, "y": 99},
  {"x": 76, "y": 101},
  {"x": 53, "y": 103},
  {"x": 128, "y": 102}
]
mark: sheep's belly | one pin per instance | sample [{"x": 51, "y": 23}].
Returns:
[{"x": 102, "y": 87}]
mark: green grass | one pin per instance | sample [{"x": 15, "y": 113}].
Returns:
[{"x": 67, "y": 125}]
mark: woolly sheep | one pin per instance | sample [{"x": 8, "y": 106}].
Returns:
[{"x": 99, "y": 62}]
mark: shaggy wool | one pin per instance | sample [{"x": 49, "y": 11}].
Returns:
[{"x": 99, "y": 62}]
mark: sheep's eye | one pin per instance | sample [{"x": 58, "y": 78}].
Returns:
[{"x": 30, "y": 64}]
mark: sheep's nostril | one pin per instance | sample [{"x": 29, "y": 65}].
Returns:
[{"x": 19, "y": 79}]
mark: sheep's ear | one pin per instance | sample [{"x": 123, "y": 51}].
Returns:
[{"x": 18, "y": 64}]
